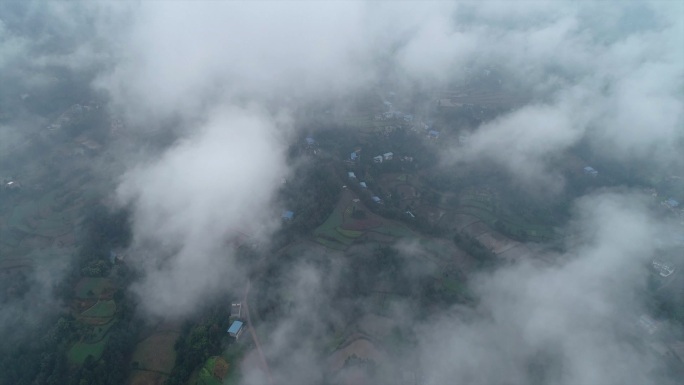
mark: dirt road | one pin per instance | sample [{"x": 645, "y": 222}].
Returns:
[{"x": 254, "y": 335}]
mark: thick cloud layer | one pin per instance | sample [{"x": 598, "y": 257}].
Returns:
[
  {"x": 611, "y": 76},
  {"x": 607, "y": 74},
  {"x": 202, "y": 192},
  {"x": 576, "y": 315},
  {"x": 180, "y": 57}
]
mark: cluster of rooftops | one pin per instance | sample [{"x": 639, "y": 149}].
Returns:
[
  {"x": 590, "y": 171},
  {"x": 664, "y": 269},
  {"x": 354, "y": 156},
  {"x": 363, "y": 185}
]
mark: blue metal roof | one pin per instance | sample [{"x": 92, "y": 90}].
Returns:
[{"x": 235, "y": 327}]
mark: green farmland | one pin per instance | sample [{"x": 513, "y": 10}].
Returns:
[
  {"x": 81, "y": 350},
  {"x": 102, "y": 309}
]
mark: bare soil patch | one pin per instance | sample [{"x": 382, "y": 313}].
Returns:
[{"x": 362, "y": 348}]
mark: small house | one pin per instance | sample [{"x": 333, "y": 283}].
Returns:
[
  {"x": 377, "y": 159},
  {"x": 376, "y": 199},
  {"x": 287, "y": 215},
  {"x": 310, "y": 141},
  {"x": 12, "y": 185},
  {"x": 363, "y": 185},
  {"x": 235, "y": 329},
  {"x": 408, "y": 118},
  {"x": 387, "y": 156},
  {"x": 353, "y": 156},
  {"x": 236, "y": 310},
  {"x": 351, "y": 175},
  {"x": 432, "y": 134},
  {"x": 671, "y": 203},
  {"x": 662, "y": 268},
  {"x": 590, "y": 171}
]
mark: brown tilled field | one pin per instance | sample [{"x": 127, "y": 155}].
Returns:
[
  {"x": 361, "y": 347},
  {"x": 143, "y": 377},
  {"x": 156, "y": 352}
]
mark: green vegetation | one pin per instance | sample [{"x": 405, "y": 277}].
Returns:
[
  {"x": 470, "y": 245},
  {"x": 200, "y": 339},
  {"x": 395, "y": 230},
  {"x": 336, "y": 341},
  {"x": 233, "y": 356},
  {"x": 92, "y": 287},
  {"x": 81, "y": 350},
  {"x": 310, "y": 196},
  {"x": 41, "y": 217},
  {"x": 96, "y": 268},
  {"x": 487, "y": 209},
  {"x": 349, "y": 233},
  {"x": 69, "y": 351},
  {"x": 99, "y": 332},
  {"x": 102, "y": 309},
  {"x": 330, "y": 234},
  {"x": 331, "y": 224},
  {"x": 330, "y": 244},
  {"x": 206, "y": 373},
  {"x": 456, "y": 286}
]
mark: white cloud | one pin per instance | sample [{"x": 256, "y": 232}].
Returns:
[{"x": 195, "y": 196}]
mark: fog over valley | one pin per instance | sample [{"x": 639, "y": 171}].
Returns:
[{"x": 414, "y": 193}]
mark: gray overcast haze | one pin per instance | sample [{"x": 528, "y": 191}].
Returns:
[{"x": 225, "y": 80}]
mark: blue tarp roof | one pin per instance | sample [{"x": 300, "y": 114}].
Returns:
[
  {"x": 310, "y": 140},
  {"x": 235, "y": 327},
  {"x": 353, "y": 156},
  {"x": 433, "y": 133},
  {"x": 672, "y": 202},
  {"x": 288, "y": 214}
]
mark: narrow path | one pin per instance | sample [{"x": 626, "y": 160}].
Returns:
[{"x": 254, "y": 335}]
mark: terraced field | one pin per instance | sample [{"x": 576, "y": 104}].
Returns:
[
  {"x": 486, "y": 208},
  {"x": 340, "y": 230}
]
